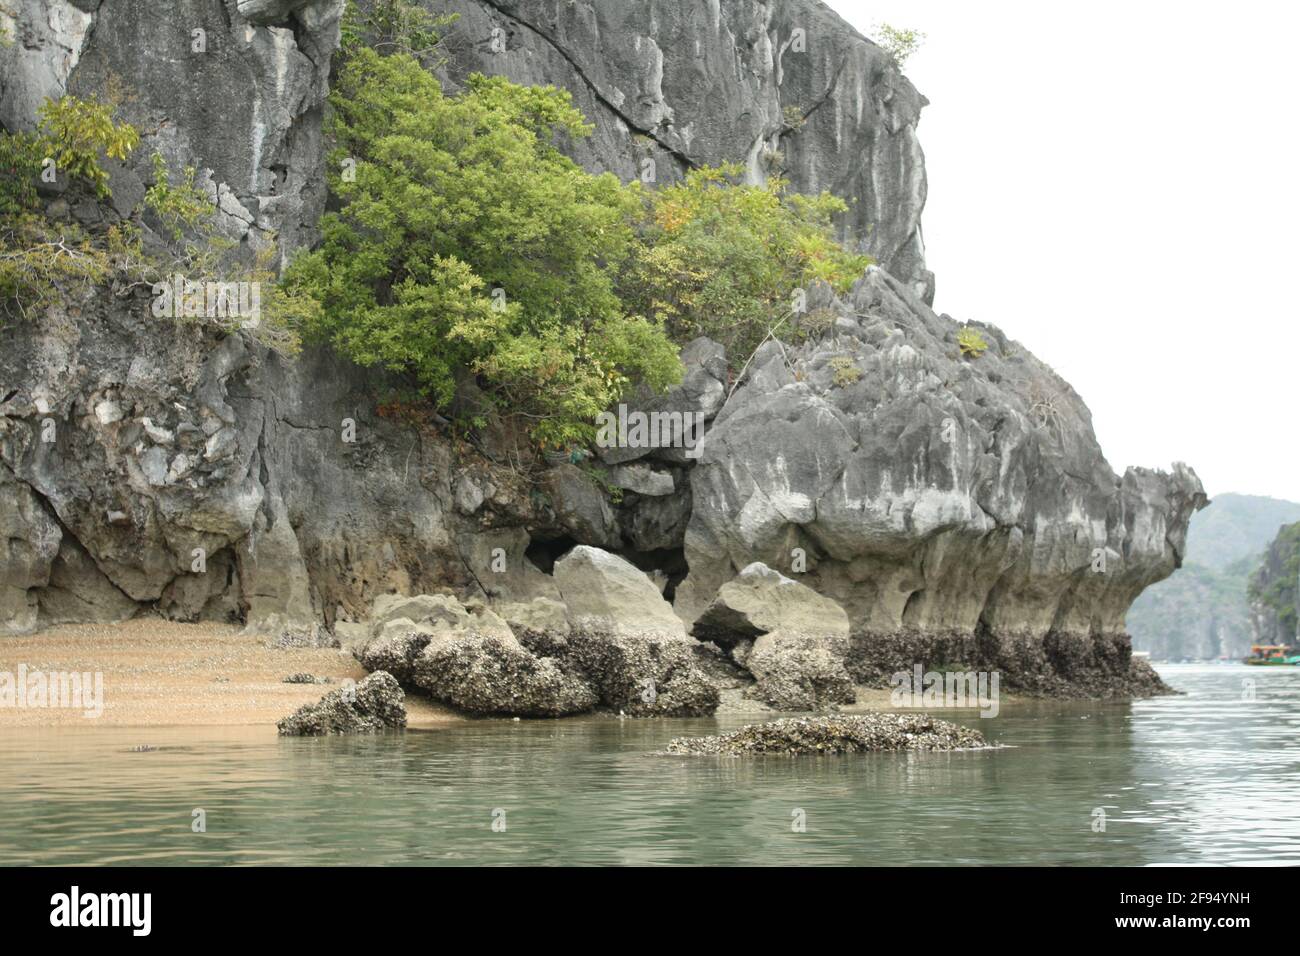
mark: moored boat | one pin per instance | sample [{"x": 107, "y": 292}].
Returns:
[{"x": 1273, "y": 655}]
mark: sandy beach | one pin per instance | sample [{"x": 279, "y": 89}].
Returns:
[{"x": 159, "y": 673}]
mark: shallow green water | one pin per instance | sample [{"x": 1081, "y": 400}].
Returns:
[{"x": 1202, "y": 778}]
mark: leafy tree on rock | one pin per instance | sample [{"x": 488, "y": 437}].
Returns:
[{"x": 467, "y": 240}]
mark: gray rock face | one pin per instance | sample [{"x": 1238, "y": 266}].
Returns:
[
  {"x": 783, "y": 88},
  {"x": 581, "y": 507},
  {"x": 642, "y": 480},
  {"x": 656, "y": 524},
  {"x": 241, "y": 101},
  {"x": 928, "y": 492},
  {"x": 287, "y": 524},
  {"x": 30, "y": 539},
  {"x": 696, "y": 399},
  {"x": 372, "y": 706},
  {"x": 49, "y": 37},
  {"x": 79, "y": 591}
]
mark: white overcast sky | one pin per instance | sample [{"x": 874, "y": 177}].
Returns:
[{"x": 1115, "y": 185}]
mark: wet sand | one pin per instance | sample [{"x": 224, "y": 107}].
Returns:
[{"x": 160, "y": 673}]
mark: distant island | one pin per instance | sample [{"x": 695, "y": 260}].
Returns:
[{"x": 1204, "y": 611}]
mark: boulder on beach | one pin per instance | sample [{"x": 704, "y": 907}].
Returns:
[
  {"x": 467, "y": 657},
  {"x": 627, "y": 640},
  {"x": 799, "y": 638},
  {"x": 863, "y": 733},
  {"x": 798, "y": 672},
  {"x": 496, "y": 675},
  {"x": 604, "y": 592},
  {"x": 539, "y": 616},
  {"x": 760, "y": 600},
  {"x": 616, "y": 643},
  {"x": 643, "y": 674},
  {"x": 393, "y": 647},
  {"x": 373, "y": 705}
]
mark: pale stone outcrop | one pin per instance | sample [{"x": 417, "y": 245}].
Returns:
[
  {"x": 791, "y": 639},
  {"x": 604, "y": 592}
]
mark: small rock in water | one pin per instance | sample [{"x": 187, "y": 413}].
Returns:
[
  {"x": 861, "y": 733},
  {"x": 371, "y": 706}
]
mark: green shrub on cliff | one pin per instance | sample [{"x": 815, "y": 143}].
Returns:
[
  {"x": 179, "y": 206},
  {"x": 70, "y": 137},
  {"x": 20, "y": 164},
  {"x": 392, "y": 26},
  {"x": 44, "y": 260},
  {"x": 900, "y": 43},
  {"x": 36, "y": 263},
  {"x": 75, "y": 132},
  {"x": 971, "y": 343},
  {"x": 468, "y": 241},
  {"x": 37, "y": 257},
  {"x": 724, "y": 259},
  {"x": 470, "y": 253}
]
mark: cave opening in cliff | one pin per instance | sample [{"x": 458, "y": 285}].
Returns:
[
  {"x": 544, "y": 552},
  {"x": 913, "y": 608},
  {"x": 666, "y": 567}
]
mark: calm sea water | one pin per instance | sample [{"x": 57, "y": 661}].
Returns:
[{"x": 1209, "y": 777}]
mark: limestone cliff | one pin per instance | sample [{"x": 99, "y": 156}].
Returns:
[
  {"x": 1274, "y": 591},
  {"x": 958, "y": 507},
  {"x": 235, "y": 88},
  {"x": 786, "y": 88}
]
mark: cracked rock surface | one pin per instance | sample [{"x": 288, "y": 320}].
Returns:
[
  {"x": 245, "y": 110},
  {"x": 783, "y": 88}
]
